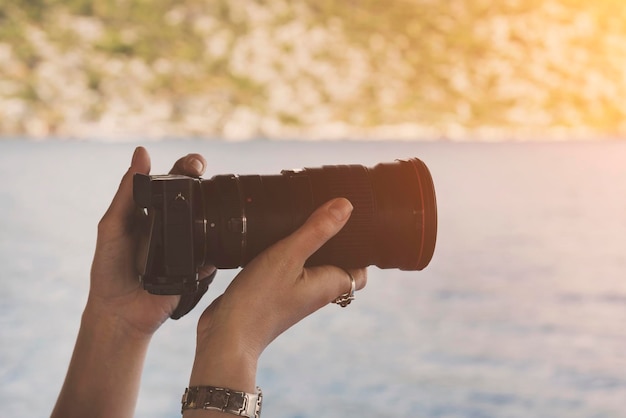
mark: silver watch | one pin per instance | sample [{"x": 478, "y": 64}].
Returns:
[{"x": 223, "y": 399}]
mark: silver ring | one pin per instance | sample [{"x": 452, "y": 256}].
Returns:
[{"x": 345, "y": 299}]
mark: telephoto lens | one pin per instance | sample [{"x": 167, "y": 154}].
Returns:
[{"x": 227, "y": 220}]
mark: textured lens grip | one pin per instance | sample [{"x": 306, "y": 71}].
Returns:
[{"x": 353, "y": 246}]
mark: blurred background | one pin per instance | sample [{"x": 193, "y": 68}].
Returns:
[
  {"x": 405, "y": 69},
  {"x": 517, "y": 107}
]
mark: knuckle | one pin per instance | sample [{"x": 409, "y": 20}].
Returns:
[
  {"x": 278, "y": 258},
  {"x": 361, "y": 279},
  {"x": 283, "y": 260},
  {"x": 191, "y": 164},
  {"x": 179, "y": 166}
]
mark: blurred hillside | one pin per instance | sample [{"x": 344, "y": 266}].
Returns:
[{"x": 313, "y": 68}]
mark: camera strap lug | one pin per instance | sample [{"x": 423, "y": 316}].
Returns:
[{"x": 188, "y": 301}]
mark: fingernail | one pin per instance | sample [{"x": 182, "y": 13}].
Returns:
[
  {"x": 340, "y": 209},
  {"x": 196, "y": 165}
]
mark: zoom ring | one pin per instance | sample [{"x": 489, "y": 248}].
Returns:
[{"x": 354, "y": 244}]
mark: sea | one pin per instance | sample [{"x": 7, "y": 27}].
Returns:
[{"x": 521, "y": 313}]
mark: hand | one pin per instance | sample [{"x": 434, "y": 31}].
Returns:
[
  {"x": 272, "y": 293},
  {"x": 120, "y": 317},
  {"x": 115, "y": 290}
]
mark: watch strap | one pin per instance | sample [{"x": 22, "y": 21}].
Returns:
[{"x": 223, "y": 399}]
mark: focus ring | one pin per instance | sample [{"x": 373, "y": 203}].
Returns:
[{"x": 354, "y": 242}]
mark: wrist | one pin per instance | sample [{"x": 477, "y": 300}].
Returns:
[
  {"x": 226, "y": 362},
  {"x": 105, "y": 370},
  {"x": 205, "y": 401},
  {"x": 109, "y": 324}
]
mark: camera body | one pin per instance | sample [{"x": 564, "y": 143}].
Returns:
[
  {"x": 227, "y": 220},
  {"x": 168, "y": 260}
]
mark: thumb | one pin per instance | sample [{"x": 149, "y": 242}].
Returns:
[
  {"x": 321, "y": 226},
  {"x": 122, "y": 204}
]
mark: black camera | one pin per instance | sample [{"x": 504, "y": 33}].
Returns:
[{"x": 227, "y": 220}]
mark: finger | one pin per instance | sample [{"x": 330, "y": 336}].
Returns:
[
  {"x": 206, "y": 271},
  {"x": 360, "y": 277},
  {"x": 122, "y": 205},
  {"x": 330, "y": 282},
  {"x": 321, "y": 226},
  {"x": 192, "y": 165}
]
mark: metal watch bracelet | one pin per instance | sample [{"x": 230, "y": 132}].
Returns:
[{"x": 223, "y": 399}]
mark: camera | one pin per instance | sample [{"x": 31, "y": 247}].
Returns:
[{"x": 227, "y": 220}]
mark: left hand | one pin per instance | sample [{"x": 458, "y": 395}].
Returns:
[
  {"x": 272, "y": 293},
  {"x": 115, "y": 290}
]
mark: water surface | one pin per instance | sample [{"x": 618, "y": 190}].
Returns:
[{"x": 521, "y": 313}]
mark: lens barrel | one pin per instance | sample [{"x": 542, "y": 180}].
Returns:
[{"x": 393, "y": 223}]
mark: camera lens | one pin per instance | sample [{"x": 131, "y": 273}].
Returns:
[{"x": 393, "y": 224}]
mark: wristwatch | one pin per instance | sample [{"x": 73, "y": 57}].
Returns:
[{"x": 223, "y": 399}]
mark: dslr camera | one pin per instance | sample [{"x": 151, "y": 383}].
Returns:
[{"x": 227, "y": 220}]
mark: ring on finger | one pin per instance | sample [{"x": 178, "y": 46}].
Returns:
[{"x": 345, "y": 299}]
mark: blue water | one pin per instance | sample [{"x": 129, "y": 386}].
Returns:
[{"x": 522, "y": 312}]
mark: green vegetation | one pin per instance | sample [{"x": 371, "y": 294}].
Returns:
[{"x": 270, "y": 67}]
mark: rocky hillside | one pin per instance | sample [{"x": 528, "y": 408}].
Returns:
[{"x": 313, "y": 68}]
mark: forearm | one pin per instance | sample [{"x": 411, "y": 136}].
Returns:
[{"x": 105, "y": 371}]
